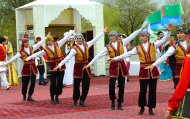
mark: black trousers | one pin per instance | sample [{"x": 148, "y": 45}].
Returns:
[
  {"x": 121, "y": 84},
  {"x": 175, "y": 80},
  {"x": 56, "y": 82},
  {"x": 144, "y": 83},
  {"x": 25, "y": 82},
  {"x": 85, "y": 87},
  {"x": 41, "y": 69}
]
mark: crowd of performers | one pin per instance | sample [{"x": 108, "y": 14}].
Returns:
[{"x": 167, "y": 51}]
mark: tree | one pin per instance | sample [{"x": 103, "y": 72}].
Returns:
[
  {"x": 134, "y": 12},
  {"x": 8, "y": 21},
  {"x": 126, "y": 16}
]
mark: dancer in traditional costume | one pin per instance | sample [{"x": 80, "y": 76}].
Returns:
[
  {"x": 3, "y": 70},
  {"x": 68, "y": 77},
  {"x": 181, "y": 49},
  {"x": 54, "y": 57},
  {"x": 29, "y": 69},
  {"x": 178, "y": 105},
  {"x": 81, "y": 53},
  {"x": 171, "y": 59},
  {"x": 147, "y": 55},
  {"x": 12, "y": 74},
  {"x": 39, "y": 61},
  {"x": 117, "y": 69}
]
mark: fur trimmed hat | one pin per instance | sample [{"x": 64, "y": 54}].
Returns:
[
  {"x": 182, "y": 29},
  {"x": 80, "y": 36},
  {"x": 145, "y": 33},
  {"x": 113, "y": 33}
]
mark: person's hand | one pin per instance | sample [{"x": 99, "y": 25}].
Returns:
[
  {"x": 75, "y": 29},
  {"x": 145, "y": 26},
  {"x": 149, "y": 67},
  {"x": 105, "y": 30},
  {"x": 58, "y": 67},
  {"x": 85, "y": 67},
  {"x": 110, "y": 59},
  {"x": 3, "y": 65},
  {"x": 168, "y": 114},
  {"x": 169, "y": 27},
  {"x": 27, "y": 59},
  {"x": 37, "y": 58},
  {"x": 49, "y": 33}
]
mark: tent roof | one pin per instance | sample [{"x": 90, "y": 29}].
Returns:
[{"x": 57, "y": 3}]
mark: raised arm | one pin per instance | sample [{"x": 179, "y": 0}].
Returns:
[
  {"x": 131, "y": 37},
  {"x": 67, "y": 58},
  {"x": 38, "y": 54},
  {"x": 158, "y": 43},
  {"x": 95, "y": 39},
  {"x": 165, "y": 38},
  {"x": 126, "y": 54},
  {"x": 182, "y": 87},
  {"x": 36, "y": 46},
  {"x": 103, "y": 53},
  {"x": 164, "y": 57},
  {"x": 63, "y": 40},
  {"x": 18, "y": 55}
]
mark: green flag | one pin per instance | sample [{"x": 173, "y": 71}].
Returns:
[
  {"x": 172, "y": 10},
  {"x": 154, "y": 18}
]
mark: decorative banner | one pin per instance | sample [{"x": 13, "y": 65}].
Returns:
[
  {"x": 155, "y": 21},
  {"x": 154, "y": 18},
  {"x": 172, "y": 10},
  {"x": 157, "y": 26},
  {"x": 175, "y": 21},
  {"x": 170, "y": 14}
]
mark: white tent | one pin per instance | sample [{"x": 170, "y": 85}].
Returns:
[{"x": 42, "y": 13}]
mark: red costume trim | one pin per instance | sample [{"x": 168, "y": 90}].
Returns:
[
  {"x": 116, "y": 65},
  {"x": 182, "y": 87}
]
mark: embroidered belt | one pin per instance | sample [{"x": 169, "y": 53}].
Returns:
[
  {"x": 145, "y": 64},
  {"x": 54, "y": 60},
  {"x": 86, "y": 61},
  {"x": 179, "y": 60},
  {"x": 32, "y": 62}
]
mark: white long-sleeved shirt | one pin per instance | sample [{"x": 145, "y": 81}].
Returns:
[
  {"x": 73, "y": 51},
  {"x": 67, "y": 49},
  {"x": 35, "y": 47},
  {"x": 145, "y": 45},
  {"x": 60, "y": 43},
  {"x": 125, "y": 41},
  {"x": 169, "y": 52}
]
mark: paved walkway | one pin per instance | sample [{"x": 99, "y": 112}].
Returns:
[{"x": 12, "y": 107}]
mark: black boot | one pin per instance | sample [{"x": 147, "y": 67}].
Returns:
[
  {"x": 30, "y": 98},
  {"x": 150, "y": 111},
  {"x": 141, "y": 111},
  {"x": 45, "y": 83},
  {"x": 57, "y": 99},
  {"x": 75, "y": 103},
  {"x": 52, "y": 99},
  {"x": 119, "y": 107},
  {"x": 82, "y": 103},
  {"x": 113, "y": 105},
  {"x": 24, "y": 98}
]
